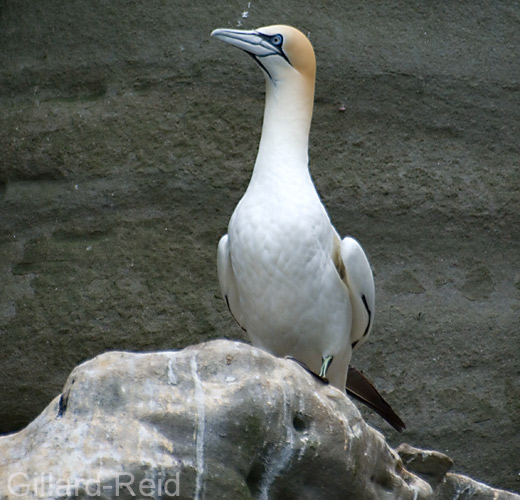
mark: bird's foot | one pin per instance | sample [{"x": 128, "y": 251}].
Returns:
[
  {"x": 306, "y": 368},
  {"x": 325, "y": 363}
]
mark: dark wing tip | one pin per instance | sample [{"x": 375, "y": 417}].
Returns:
[{"x": 363, "y": 390}]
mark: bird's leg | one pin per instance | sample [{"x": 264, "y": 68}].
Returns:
[
  {"x": 325, "y": 363},
  {"x": 306, "y": 368}
]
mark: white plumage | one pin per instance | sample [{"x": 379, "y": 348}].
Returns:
[{"x": 289, "y": 280}]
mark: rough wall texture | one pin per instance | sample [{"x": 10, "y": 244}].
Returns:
[{"x": 127, "y": 136}]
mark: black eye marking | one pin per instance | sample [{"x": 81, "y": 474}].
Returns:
[{"x": 277, "y": 40}]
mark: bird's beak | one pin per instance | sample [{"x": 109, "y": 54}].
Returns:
[{"x": 250, "y": 41}]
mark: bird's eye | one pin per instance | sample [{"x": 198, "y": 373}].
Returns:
[{"x": 277, "y": 40}]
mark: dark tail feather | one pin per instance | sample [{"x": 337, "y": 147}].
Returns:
[{"x": 362, "y": 389}]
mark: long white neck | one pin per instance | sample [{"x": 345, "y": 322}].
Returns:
[{"x": 285, "y": 132}]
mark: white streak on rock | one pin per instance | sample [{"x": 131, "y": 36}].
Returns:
[
  {"x": 172, "y": 378},
  {"x": 304, "y": 439},
  {"x": 201, "y": 427},
  {"x": 277, "y": 463}
]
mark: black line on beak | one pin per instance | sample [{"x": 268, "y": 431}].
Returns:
[{"x": 260, "y": 64}]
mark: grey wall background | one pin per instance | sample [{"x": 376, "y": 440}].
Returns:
[{"x": 127, "y": 136}]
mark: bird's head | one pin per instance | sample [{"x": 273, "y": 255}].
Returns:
[{"x": 281, "y": 51}]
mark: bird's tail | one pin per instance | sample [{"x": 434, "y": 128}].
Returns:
[{"x": 363, "y": 390}]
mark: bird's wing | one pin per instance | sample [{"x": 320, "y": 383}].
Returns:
[
  {"x": 353, "y": 268},
  {"x": 363, "y": 390},
  {"x": 226, "y": 278}
]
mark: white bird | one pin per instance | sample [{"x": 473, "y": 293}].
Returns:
[{"x": 289, "y": 280}]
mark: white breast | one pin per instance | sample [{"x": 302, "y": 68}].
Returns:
[{"x": 292, "y": 299}]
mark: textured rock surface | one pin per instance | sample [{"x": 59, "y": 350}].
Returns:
[
  {"x": 206, "y": 422},
  {"x": 127, "y": 136}
]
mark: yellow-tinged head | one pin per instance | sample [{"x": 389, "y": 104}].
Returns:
[{"x": 278, "y": 49}]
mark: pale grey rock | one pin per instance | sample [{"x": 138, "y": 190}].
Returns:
[
  {"x": 461, "y": 487},
  {"x": 432, "y": 466},
  {"x": 213, "y": 421}
]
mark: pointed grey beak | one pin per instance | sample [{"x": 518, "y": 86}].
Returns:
[{"x": 250, "y": 41}]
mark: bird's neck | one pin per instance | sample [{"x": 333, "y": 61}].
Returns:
[{"x": 285, "y": 132}]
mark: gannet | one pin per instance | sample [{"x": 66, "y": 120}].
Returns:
[{"x": 289, "y": 280}]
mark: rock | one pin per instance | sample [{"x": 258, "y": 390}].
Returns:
[
  {"x": 432, "y": 466},
  {"x": 206, "y": 422},
  {"x": 461, "y": 487}
]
